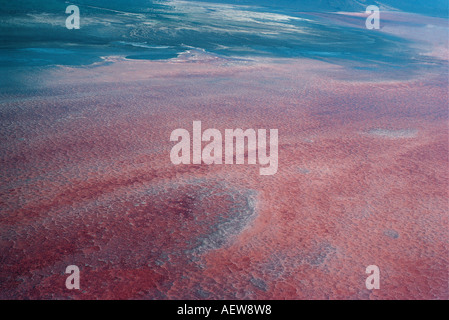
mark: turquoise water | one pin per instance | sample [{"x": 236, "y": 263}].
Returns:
[{"x": 33, "y": 33}]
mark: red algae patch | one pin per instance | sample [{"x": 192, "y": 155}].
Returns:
[
  {"x": 158, "y": 227},
  {"x": 87, "y": 180}
]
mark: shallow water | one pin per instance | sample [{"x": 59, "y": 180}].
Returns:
[{"x": 34, "y": 34}]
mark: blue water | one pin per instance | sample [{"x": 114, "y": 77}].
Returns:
[{"x": 33, "y": 33}]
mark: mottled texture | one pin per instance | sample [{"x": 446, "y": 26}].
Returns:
[{"x": 87, "y": 180}]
